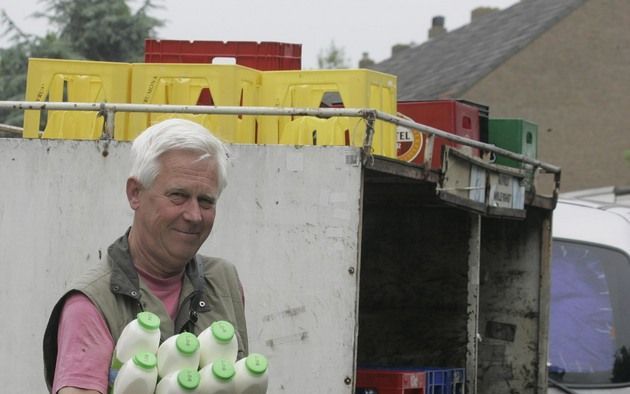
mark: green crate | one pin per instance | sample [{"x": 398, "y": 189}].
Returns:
[{"x": 516, "y": 135}]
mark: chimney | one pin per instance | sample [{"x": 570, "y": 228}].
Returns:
[
  {"x": 480, "y": 12},
  {"x": 437, "y": 27},
  {"x": 365, "y": 61},
  {"x": 397, "y": 48}
]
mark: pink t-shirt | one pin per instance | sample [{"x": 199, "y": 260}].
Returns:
[{"x": 85, "y": 345}]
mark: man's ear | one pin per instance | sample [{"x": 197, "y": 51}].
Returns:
[{"x": 134, "y": 187}]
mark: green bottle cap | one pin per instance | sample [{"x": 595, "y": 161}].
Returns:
[
  {"x": 187, "y": 343},
  {"x": 223, "y": 369},
  {"x": 256, "y": 363},
  {"x": 222, "y": 330},
  {"x": 145, "y": 360},
  {"x": 188, "y": 379},
  {"x": 148, "y": 320}
]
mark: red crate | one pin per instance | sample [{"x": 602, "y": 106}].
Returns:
[
  {"x": 447, "y": 115},
  {"x": 264, "y": 56},
  {"x": 391, "y": 381}
]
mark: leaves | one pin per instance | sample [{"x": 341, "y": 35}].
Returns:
[
  {"x": 332, "y": 57},
  {"x": 82, "y": 29}
]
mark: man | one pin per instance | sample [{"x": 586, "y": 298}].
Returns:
[{"x": 178, "y": 173}]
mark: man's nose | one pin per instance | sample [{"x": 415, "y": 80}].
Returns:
[{"x": 192, "y": 211}]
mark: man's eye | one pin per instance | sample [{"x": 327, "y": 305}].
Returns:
[
  {"x": 206, "y": 203},
  {"x": 177, "y": 198}
]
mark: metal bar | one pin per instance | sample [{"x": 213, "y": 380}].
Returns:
[
  {"x": 465, "y": 141},
  {"x": 237, "y": 110},
  {"x": 428, "y": 150},
  {"x": 544, "y": 298},
  {"x": 472, "y": 325},
  {"x": 110, "y": 116},
  {"x": 7, "y": 128},
  {"x": 369, "y": 133},
  {"x": 189, "y": 109}
]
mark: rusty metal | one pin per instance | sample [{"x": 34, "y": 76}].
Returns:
[{"x": 366, "y": 113}]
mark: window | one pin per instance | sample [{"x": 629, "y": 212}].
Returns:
[{"x": 589, "y": 333}]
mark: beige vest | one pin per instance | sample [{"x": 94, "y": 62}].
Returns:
[{"x": 211, "y": 291}]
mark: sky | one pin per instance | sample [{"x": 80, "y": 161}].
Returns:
[{"x": 356, "y": 26}]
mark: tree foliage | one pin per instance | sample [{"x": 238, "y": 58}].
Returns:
[
  {"x": 80, "y": 29},
  {"x": 102, "y": 30},
  {"x": 332, "y": 57}
]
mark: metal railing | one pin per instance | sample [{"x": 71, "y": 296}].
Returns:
[{"x": 108, "y": 110}]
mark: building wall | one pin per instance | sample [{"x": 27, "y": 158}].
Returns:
[{"x": 574, "y": 82}]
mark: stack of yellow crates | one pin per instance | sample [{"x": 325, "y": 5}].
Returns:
[{"x": 212, "y": 84}]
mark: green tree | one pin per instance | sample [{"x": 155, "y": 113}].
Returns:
[
  {"x": 332, "y": 57},
  {"x": 102, "y": 30},
  {"x": 81, "y": 29}
]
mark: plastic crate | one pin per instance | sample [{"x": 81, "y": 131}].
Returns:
[
  {"x": 516, "y": 135},
  {"x": 264, "y": 56},
  {"x": 356, "y": 88},
  {"x": 193, "y": 84},
  {"x": 74, "y": 81},
  {"x": 390, "y": 381},
  {"x": 451, "y": 116},
  {"x": 444, "y": 380}
]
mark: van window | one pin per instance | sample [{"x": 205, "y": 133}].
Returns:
[{"x": 589, "y": 332}]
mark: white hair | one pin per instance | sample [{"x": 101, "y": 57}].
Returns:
[{"x": 175, "y": 134}]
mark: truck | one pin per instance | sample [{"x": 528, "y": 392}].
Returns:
[
  {"x": 350, "y": 261},
  {"x": 588, "y": 334}
]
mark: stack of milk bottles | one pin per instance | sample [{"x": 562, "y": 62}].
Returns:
[
  {"x": 184, "y": 363},
  {"x": 134, "y": 362}
]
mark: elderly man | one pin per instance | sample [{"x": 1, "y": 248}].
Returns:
[{"x": 178, "y": 173}]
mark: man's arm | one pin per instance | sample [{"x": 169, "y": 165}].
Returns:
[{"x": 85, "y": 348}]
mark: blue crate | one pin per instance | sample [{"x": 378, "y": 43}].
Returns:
[{"x": 444, "y": 380}]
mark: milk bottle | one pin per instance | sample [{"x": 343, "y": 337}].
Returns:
[
  {"x": 142, "y": 334},
  {"x": 217, "y": 377},
  {"x": 251, "y": 375},
  {"x": 218, "y": 342},
  {"x": 184, "y": 381},
  {"x": 178, "y": 352},
  {"x": 138, "y": 375}
]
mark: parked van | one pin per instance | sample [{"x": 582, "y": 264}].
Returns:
[{"x": 589, "y": 331}]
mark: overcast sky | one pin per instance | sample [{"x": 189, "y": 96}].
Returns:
[{"x": 357, "y": 26}]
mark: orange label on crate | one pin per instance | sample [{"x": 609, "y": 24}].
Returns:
[{"x": 409, "y": 143}]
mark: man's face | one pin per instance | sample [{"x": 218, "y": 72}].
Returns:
[{"x": 174, "y": 216}]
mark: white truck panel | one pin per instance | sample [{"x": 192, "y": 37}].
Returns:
[{"x": 288, "y": 219}]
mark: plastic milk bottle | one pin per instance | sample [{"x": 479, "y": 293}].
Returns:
[
  {"x": 139, "y": 335},
  {"x": 184, "y": 381},
  {"x": 138, "y": 375},
  {"x": 178, "y": 352},
  {"x": 251, "y": 374},
  {"x": 217, "y": 377},
  {"x": 218, "y": 342}
]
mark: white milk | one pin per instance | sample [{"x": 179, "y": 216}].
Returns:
[
  {"x": 137, "y": 376},
  {"x": 218, "y": 342},
  {"x": 142, "y": 334},
  {"x": 217, "y": 377},
  {"x": 178, "y": 352},
  {"x": 251, "y": 375},
  {"x": 184, "y": 381}
]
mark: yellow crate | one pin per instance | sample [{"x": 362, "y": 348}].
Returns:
[
  {"x": 74, "y": 81},
  {"x": 184, "y": 84},
  {"x": 357, "y": 88}
]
